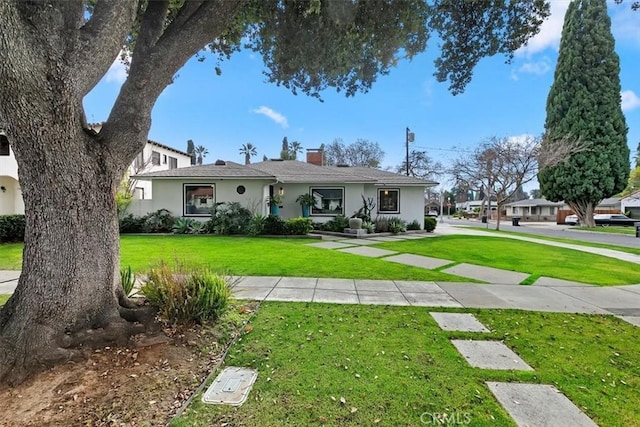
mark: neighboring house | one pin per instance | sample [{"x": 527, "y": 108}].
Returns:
[
  {"x": 474, "y": 206},
  {"x": 10, "y": 193},
  {"x": 533, "y": 209},
  {"x": 631, "y": 204},
  {"x": 612, "y": 204},
  {"x": 153, "y": 157},
  {"x": 193, "y": 191}
]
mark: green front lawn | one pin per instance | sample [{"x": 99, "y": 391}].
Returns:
[
  {"x": 526, "y": 257},
  {"x": 291, "y": 257},
  {"x": 612, "y": 230},
  {"x": 394, "y": 365}
]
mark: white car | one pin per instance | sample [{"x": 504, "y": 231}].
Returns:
[{"x": 572, "y": 220}]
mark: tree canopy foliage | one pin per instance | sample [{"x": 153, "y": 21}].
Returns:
[
  {"x": 359, "y": 153},
  {"x": 584, "y": 107}
]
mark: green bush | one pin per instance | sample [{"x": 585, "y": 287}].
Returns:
[
  {"x": 274, "y": 226},
  {"x": 337, "y": 224},
  {"x": 182, "y": 225},
  {"x": 230, "y": 218},
  {"x": 368, "y": 225},
  {"x": 429, "y": 224},
  {"x": 132, "y": 224},
  {"x": 256, "y": 225},
  {"x": 413, "y": 225},
  {"x": 160, "y": 221},
  {"x": 187, "y": 298},
  {"x": 298, "y": 226},
  {"x": 382, "y": 224},
  {"x": 397, "y": 225},
  {"x": 12, "y": 228},
  {"x": 128, "y": 280}
]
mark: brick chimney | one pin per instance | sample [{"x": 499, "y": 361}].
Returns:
[{"x": 315, "y": 156}]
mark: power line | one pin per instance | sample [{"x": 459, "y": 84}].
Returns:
[{"x": 456, "y": 150}]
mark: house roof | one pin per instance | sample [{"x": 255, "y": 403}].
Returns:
[
  {"x": 611, "y": 201},
  {"x": 166, "y": 147},
  {"x": 291, "y": 171},
  {"x": 214, "y": 170},
  {"x": 534, "y": 203}
]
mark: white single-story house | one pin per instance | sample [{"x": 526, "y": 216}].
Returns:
[
  {"x": 631, "y": 203},
  {"x": 153, "y": 157},
  {"x": 474, "y": 206},
  {"x": 194, "y": 191},
  {"x": 533, "y": 209}
]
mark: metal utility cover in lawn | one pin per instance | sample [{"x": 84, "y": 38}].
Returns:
[{"x": 231, "y": 386}]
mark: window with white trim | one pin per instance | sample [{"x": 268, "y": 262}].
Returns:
[
  {"x": 199, "y": 199},
  {"x": 173, "y": 163},
  {"x": 329, "y": 201},
  {"x": 388, "y": 200},
  {"x": 155, "y": 158}
]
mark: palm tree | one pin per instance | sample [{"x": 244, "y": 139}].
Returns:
[
  {"x": 201, "y": 151},
  {"x": 294, "y": 148},
  {"x": 249, "y": 150}
]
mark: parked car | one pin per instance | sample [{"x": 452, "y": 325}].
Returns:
[
  {"x": 433, "y": 213},
  {"x": 606, "y": 220},
  {"x": 572, "y": 220}
]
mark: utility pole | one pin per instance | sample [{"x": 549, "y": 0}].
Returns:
[{"x": 409, "y": 137}]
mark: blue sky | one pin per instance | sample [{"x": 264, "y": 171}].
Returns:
[{"x": 224, "y": 112}]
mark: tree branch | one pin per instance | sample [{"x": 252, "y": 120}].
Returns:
[
  {"x": 156, "y": 60},
  {"x": 100, "y": 40}
]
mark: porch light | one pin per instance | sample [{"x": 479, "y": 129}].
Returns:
[
  {"x": 4, "y": 189},
  {"x": 386, "y": 192},
  {"x": 281, "y": 191}
]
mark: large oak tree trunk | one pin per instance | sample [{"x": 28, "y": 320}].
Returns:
[{"x": 71, "y": 250}]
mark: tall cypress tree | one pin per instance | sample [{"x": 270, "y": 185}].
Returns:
[{"x": 584, "y": 111}]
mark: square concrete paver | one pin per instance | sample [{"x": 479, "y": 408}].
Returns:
[
  {"x": 367, "y": 251},
  {"x": 384, "y": 239},
  {"x": 556, "y": 283},
  {"x": 487, "y": 274},
  {"x": 329, "y": 245},
  {"x": 473, "y": 295},
  {"x": 431, "y": 299},
  {"x": 257, "y": 282},
  {"x": 376, "y": 285},
  {"x": 297, "y": 282},
  {"x": 291, "y": 294},
  {"x": 336, "y": 284},
  {"x": 418, "y": 261},
  {"x": 538, "y": 405},
  {"x": 407, "y": 286},
  {"x": 382, "y": 298},
  {"x": 251, "y": 293},
  {"x": 542, "y": 298},
  {"x": 359, "y": 242},
  {"x": 335, "y": 296},
  {"x": 464, "y": 322},
  {"x": 490, "y": 355},
  {"x": 608, "y": 297}
]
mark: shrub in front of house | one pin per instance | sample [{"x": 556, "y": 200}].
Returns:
[
  {"x": 382, "y": 224},
  {"x": 337, "y": 224},
  {"x": 230, "y": 218},
  {"x": 429, "y": 224},
  {"x": 413, "y": 225},
  {"x": 132, "y": 224},
  {"x": 12, "y": 228},
  {"x": 298, "y": 226},
  {"x": 160, "y": 221},
  {"x": 397, "y": 225},
  {"x": 187, "y": 298},
  {"x": 274, "y": 226},
  {"x": 256, "y": 225}
]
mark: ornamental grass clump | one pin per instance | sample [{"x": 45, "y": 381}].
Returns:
[{"x": 187, "y": 298}]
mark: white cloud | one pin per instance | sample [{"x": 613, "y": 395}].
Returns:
[
  {"x": 629, "y": 100},
  {"x": 117, "y": 73},
  {"x": 543, "y": 66},
  {"x": 273, "y": 115},
  {"x": 550, "y": 31}
]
